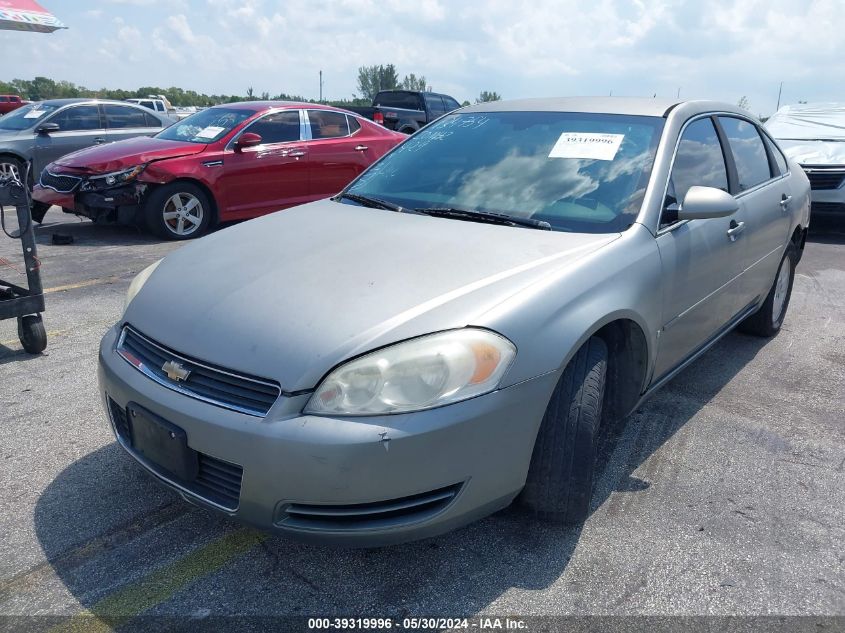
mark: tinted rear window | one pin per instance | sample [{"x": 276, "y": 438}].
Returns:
[{"x": 408, "y": 100}]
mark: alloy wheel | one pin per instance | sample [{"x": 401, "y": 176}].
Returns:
[{"x": 183, "y": 214}]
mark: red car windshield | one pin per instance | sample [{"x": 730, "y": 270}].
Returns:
[{"x": 206, "y": 126}]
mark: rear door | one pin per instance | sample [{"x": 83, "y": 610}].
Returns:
[
  {"x": 80, "y": 126},
  {"x": 434, "y": 105},
  {"x": 764, "y": 194},
  {"x": 125, "y": 121},
  {"x": 701, "y": 263},
  {"x": 269, "y": 176},
  {"x": 337, "y": 151}
]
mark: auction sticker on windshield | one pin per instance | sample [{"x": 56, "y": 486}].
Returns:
[
  {"x": 34, "y": 114},
  {"x": 587, "y": 145},
  {"x": 210, "y": 132}
]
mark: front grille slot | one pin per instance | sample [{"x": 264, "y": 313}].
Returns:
[
  {"x": 242, "y": 393},
  {"x": 825, "y": 179},
  {"x": 217, "y": 481},
  {"x": 62, "y": 183},
  {"x": 368, "y": 516}
]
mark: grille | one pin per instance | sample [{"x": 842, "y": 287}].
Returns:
[
  {"x": 368, "y": 516},
  {"x": 217, "y": 481},
  {"x": 59, "y": 183},
  {"x": 246, "y": 394},
  {"x": 828, "y": 207},
  {"x": 828, "y": 179}
]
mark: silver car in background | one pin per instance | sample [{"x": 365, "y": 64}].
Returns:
[
  {"x": 35, "y": 135},
  {"x": 449, "y": 333}
]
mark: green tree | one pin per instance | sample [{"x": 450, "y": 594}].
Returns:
[
  {"x": 412, "y": 82},
  {"x": 372, "y": 79},
  {"x": 250, "y": 94},
  {"x": 465, "y": 103},
  {"x": 485, "y": 96}
]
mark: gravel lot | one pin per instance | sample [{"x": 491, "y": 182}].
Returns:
[{"x": 725, "y": 494}]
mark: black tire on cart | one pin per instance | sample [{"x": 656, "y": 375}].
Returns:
[
  {"x": 767, "y": 320},
  {"x": 32, "y": 334},
  {"x": 178, "y": 211},
  {"x": 559, "y": 486}
]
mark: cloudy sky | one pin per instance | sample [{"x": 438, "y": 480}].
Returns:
[{"x": 720, "y": 49}]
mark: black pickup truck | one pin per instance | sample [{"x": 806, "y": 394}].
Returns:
[{"x": 407, "y": 110}]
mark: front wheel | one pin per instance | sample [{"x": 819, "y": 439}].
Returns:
[
  {"x": 178, "y": 211},
  {"x": 559, "y": 486},
  {"x": 769, "y": 318}
]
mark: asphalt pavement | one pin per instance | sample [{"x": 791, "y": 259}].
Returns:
[{"x": 724, "y": 494}]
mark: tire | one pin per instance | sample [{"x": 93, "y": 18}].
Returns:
[
  {"x": 11, "y": 165},
  {"x": 32, "y": 334},
  {"x": 768, "y": 319},
  {"x": 407, "y": 130},
  {"x": 38, "y": 210},
  {"x": 559, "y": 486},
  {"x": 178, "y": 211}
]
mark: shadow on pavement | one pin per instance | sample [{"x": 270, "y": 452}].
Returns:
[{"x": 102, "y": 506}]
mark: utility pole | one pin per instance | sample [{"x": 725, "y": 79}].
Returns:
[
  {"x": 780, "y": 90},
  {"x": 321, "y": 86},
  {"x": 678, "y": 96}
]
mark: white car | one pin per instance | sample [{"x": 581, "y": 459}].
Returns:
[{"x": 813, "y": 135}]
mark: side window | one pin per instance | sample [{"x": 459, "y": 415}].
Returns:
[
  {"x": 698, "y": 162},
  {"x": 85, "y": 117},
  {"x": 752, "y": 163},
  {"x": 4, "y": 99},
  {"x": 279, "y": 127},
  {"x": 780, "y": 160},
  {"x": 328, "y": 124},
  {"x": 354, "y": 125},
  {"x": 435, "y": 105},
  {"x": 151, "y": 121},
  {"x": 451, "y": 104},
  {"x": 118, "y": 116}
]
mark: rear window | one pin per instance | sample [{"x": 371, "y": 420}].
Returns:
[
  {"x": 118, "y": 116},
  {"x": 407, "y": 100}
]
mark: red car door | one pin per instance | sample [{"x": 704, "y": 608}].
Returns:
[
  {"x": 270, "y": 176},
  {"x": 338, "y": 151}
]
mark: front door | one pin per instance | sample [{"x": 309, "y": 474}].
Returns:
[
  {"x": 80, "y": 126},
  {"x": 701, "y": 262},
  {"x": 269, "y": 176}
]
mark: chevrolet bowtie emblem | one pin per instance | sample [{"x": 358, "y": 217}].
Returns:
[{"x": 175, "y": 371}]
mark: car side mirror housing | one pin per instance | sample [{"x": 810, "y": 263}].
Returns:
[
  {"x": 247, "y": 139},
  {"x": 46, "y": 128},
  {"x": 704, "y": 203}
]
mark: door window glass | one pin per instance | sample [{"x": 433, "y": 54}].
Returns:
[
  {"x": 327, "y": 124},
  {"x": 279, "y": 127},
  {"x": 783, "y": 168},
  {"x": 752, "y": 163},
  {"x": 435, "y": 105},
  {"x": 118, "y": 116},
  {"x": 698, "y": 162},
  {"x": 151, "y": 121},
  {"x": 354, "y": 125},
  {"x": 86, "y": 117}
]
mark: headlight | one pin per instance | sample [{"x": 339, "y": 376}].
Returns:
[
  {"x": 116, "y": 178},
  {"x": 422, "y": 373},
  {"x": 138, "y": 283}
]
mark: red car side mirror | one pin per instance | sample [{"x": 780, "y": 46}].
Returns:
[{"x": 247, "y": 139}]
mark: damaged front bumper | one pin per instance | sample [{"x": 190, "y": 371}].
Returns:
[{"x": 120, "y": 204}]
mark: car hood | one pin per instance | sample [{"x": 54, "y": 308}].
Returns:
[
  {"x": 290, "y": 295},
  {"x": 124, "y": 154},
  {"x": 810, "y": 152}
]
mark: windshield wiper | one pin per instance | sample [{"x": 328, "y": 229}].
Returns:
[
  {"x": 488, "y": 217},
  {"x": 367, "y": 201}
]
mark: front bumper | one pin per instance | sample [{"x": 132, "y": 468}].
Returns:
[
  {"x": 349, "y": 481},
  {"x": 118, "y": 204}
]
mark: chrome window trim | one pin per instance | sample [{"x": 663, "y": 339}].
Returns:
[{"x": 187, "y": 392}]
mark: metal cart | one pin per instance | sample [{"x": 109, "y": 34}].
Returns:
[{"x": 24, "y": 304}]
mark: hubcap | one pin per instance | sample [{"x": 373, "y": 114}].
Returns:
[
  {"x": 183, "y": 214},
  {"x": 781, "y": 290},
  {"x": 9, "y": 169}
]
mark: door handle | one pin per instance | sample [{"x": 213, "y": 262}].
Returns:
[
  {"x": 736, "y": 229},
  {"x": 784, "y": 202},
  {"x": 296, "y": 153},
  {"x": 99, "y": 139},
  {"x": 361, "y": 148}
]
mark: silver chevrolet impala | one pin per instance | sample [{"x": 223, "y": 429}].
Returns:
[{"x": 448, "y": 334}]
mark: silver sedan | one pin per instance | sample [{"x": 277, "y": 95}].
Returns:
[{"x": 449, "y": 333}]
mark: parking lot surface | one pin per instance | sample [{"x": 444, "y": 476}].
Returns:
[{"x": 724, "y": 494}]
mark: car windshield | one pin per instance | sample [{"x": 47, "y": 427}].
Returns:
[
  {"x": 206, "y": 126},
  {"x": 578, "y": 172},
  {"x": 26, "y": 117}
]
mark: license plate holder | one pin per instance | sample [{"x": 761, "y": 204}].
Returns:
[{"x": 162, "y": 443}]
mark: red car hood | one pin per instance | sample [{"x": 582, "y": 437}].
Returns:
[{"x": 125, "y": 154}]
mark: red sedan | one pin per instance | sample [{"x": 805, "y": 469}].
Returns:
[{"x": 229, "y": 162}]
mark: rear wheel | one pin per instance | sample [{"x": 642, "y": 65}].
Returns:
[
  {"x": 559, "y": 486},
  {"x": 769, "y": 318},
  {"x": 178, "y": 211}
]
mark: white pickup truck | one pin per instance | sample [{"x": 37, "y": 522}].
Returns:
[{"x": 159, "y": 103}]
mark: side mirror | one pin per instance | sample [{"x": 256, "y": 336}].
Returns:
[
  {"x": 704, "y": 203},
  {"x": 247, "y": 139},
  {"x": 46, "y": 128}
]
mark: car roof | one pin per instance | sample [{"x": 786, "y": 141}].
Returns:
[
  {"x": 261, "y": 106},
  {"x": 636, "y": 106},
  {"x": 63, "y": 102}
]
